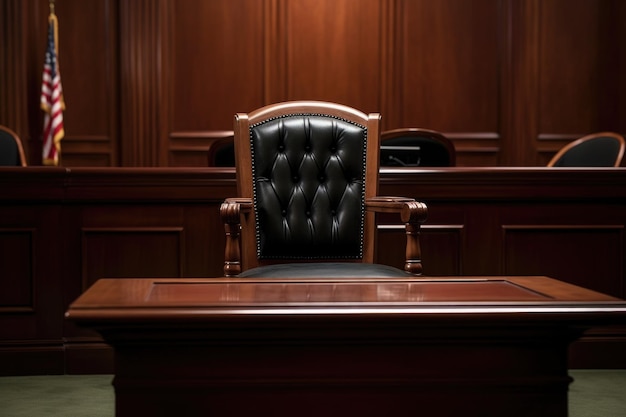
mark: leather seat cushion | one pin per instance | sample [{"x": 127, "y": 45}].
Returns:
[{"x": 325, "y": 270}]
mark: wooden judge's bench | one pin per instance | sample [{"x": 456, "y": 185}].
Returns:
[
  {"x": 62, "y": 229},
  {"x": 448, "y": 346}
]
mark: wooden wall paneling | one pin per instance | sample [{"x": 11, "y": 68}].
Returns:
[
  {"x": 16, "y": 258},
  {"x": 333, "y": 52},
  {"x": 23, "y": 33},
  {"x": 578, "y": 72},
  {"x": 388, "y": 106},
  {"x": 559, "y": 251},
  {"x": 447, "y": 75},
  {"x": 31, "y": 307},
  {"x": 88, "y": 48},
  {"x": 620, "y": 16},
  {"x": 572, "y": 69},
  {"x": 75, "y": 225},
  {"x": 217, "y": 62},
  {"x": 144, "y": 98},
  {"x": 118, "y": 252},
  {"x": 441, "y": 248},
  {"x": 217, "y": 69},
  {"x": 13, "y": 75},
  {"x": 191, "y": 148},
  {"x": 275, "y": 82},
  {"x": 520, "y": 69}
]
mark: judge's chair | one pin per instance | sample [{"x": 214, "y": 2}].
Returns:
[
  {"x": 11, "y": 150},
  {"x": 307, "y": 180},
  {"x": 604, "y": 149},
  {"x": 415, "y": 147}
]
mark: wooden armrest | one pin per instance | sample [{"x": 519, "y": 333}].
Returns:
[
  {"x": 230, "y": 212},
  {"x": 242, "y": 205},
  {"x": 411, "y": 211},
  {"x": 413, "y": 214}
]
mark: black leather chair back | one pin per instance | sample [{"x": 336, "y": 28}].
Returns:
[
  {"x": 416, "y": 147},
  {"x": 598, "y": 152},
  {"x": 414, "y": 151},
  {"x": 10, "y": 153},
  {"x": 309, "y": 187}
]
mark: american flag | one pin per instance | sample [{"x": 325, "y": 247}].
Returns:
[{"x": 52, "y": 98}]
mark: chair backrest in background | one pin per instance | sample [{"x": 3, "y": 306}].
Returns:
[
  {"x": 603, "y": 149},
  {"x": 11, "y": 151},
  {"x": 416, "y": 147}
]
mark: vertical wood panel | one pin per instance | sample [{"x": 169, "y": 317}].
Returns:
[
  {"x": 520, "y": 95},
  {"x": 577, "y": 76},
  {"x": 334, "y": 51},
  {"x": 448, "y": 70},
  {"x": 88, "y": 66},
  {"x": 19, "y": 76},
  {"x": 16, "y": 258},
  {"x": 217, "y": 62},
  {"x": 143, "y": 26},
  {"x": 556, "y": 253},
  {"x": 510, "y": 81},
  {"x": 132, "y": 252},
  {"x": 13, "y": 78},
  {"x": 620, "y": 41},
  {"x": 449, "y": 64}
]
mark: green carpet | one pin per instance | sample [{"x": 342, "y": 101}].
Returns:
[
  {"x": 594, "y": 393},
  {"x": 57, "y": 396}
]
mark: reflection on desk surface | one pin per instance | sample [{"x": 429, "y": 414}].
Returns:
[{"x": 342, "y": 292}]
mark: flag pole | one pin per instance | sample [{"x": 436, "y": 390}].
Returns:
[
  {"x": 53, "y": 16},
  {"x": 52, "y": 102}
]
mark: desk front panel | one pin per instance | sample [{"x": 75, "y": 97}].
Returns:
[{"x": 496, "y": 345}]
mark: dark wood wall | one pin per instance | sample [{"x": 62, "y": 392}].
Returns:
[
  {"x": 61, "y": 229},
  {"x": 152, "y": 82}
]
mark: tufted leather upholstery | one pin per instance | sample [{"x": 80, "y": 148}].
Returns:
[
  {"x": 307, "y": 182},
  {"x": 308, "y": 187}
]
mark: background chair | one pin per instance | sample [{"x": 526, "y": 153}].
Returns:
[
  {"x": 307, "y": 180},
  {"x": 604, "y": 149},
  {"x": 416, "y": 147},
  {"x": 221, "y": 151},
  {"x": 11, "y": 151}
]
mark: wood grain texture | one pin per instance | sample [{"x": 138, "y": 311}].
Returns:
[
  {"x": 510, "y": 81},
  {"x": 77, "y": 225}
]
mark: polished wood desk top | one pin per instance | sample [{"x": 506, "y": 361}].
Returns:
[{"x": 532, "y": 297}]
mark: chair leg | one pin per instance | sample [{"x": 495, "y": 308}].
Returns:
[
  {"x": 413, "y": 263},
  {"x": 414, "y": 213},
  {"x": 230, "y": 213}
]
